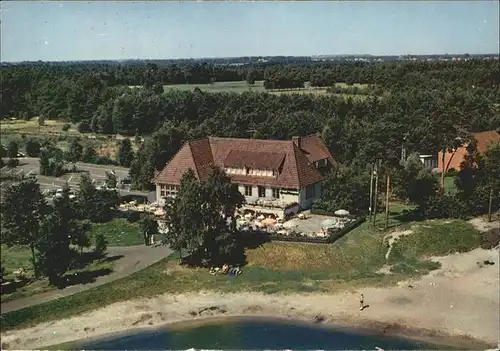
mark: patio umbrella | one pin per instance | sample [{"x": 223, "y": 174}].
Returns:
[
  {"x": 328, "y": 223},
  {"x": 268, "y": 221},
  {"x": 341, "y": 213}
]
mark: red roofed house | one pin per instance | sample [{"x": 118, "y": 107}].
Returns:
[
  {"x": 269, "y": 173},
  {"x": 454, "y": 159}
]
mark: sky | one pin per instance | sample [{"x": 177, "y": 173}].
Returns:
[{"x": 73, "y": 30}]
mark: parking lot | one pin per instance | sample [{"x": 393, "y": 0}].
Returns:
[{"x": 30, "y": 167}]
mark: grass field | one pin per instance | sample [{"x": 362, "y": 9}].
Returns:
[
  {"x": 32, "y": 127},
  {"x": 276, "y": 267},
  {"x": 19, "y": 257},
  {"x": 118, "y": 232},
  {"x": 242, "y": 86},
  {"x": 12, "y": 130},
  {"x": 220, "y": 87}
]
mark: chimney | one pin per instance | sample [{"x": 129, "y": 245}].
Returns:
[{"x": 296, "y": 141}]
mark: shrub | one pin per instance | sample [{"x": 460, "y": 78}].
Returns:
[
  {"x": 444, "y": 206},
  {"x": 101, "y": 244},
  {"x": 33, "y": 147},
  {"x": 132, "y": 216},
  {"x": 84, "y": 126},
  {"x": 66, "y": 127},
  {"x": 104, "y": 160},
  {"x": 12, "y": 163}
]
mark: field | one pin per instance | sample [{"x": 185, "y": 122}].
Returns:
[
  {"x": 15, "y": 129},
  {"x": 242, "y": 86},
  {"x": 31, "y": 127},
  {"x": 220, "y": 87},
  {"x": 118, "y": 232},
  {"x": 19, "y": 257},
  {"x": 354, "y": 260}
]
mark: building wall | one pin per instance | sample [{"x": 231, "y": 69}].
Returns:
[
  {"x": 307, "y": 203},
  {"x": 456, "y": 159},
  {"x": 287, "y": 196}
]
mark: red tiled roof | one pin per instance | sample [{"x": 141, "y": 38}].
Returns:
[
  {"x": 484, "y": 138},
  {"x": 255, "y": 160},
  {"x": 296, "y": 171}
]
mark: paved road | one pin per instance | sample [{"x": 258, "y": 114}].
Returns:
[
  {"x": 30, "y": 165},
  {"x": 134, "y": 259}
]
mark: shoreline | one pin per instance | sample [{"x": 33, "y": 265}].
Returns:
[
  {"x": 457, "y": 303},
  {"x": 362, "y": 327}
]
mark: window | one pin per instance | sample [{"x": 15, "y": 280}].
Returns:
[
  {"x": 248, "y": 190},
  {"x": 310, "y": 191},
  {"x": 168, "y": 190},
  {"x": 262, "y": 191},
  {"x": 276, "y": 193}
]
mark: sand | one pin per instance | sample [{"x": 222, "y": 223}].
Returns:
[{"x": 459, "y": 299}]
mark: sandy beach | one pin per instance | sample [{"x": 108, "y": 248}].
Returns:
[{"x": 461, "y": 299}]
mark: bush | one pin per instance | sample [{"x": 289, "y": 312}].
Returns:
[
  {"x": 452, "y": 172},
  {"x": 84, "y": 126},
  {"x": 101, "y": 244},
  {"x": 104, "y": 160},
  {"x": 33, "y": 147},
  {"x": 12, "y": 163},
  {"x": 66, "y": 127},
  {"x": 444, "y": 206},
  {"x": 132, "y": 216}
]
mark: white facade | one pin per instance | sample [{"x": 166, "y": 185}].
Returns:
[{"x": 304, "y": 197}]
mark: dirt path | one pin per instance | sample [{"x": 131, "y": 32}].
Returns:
[
  {"x": 134, "y": 259},
  {"x": 460, "y": 299}
]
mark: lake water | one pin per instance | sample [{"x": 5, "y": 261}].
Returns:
[{"x": 252, "y": 333}]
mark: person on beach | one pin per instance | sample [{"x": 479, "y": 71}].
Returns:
[{"x": 361, "y": 302}]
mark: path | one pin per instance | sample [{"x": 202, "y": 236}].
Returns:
[{"x": 134, "y": 259}]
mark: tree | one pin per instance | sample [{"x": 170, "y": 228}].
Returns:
[
  {"x": 111, "y": 181},
  {"x": 199, "y": 218},
  {"x": 23, "y": 208},
  {"x": 33, "y": 147},
  {"x": 75, "y": 152},
  {"x": 95, "y": 205},
  {"x": 347, "y": 189},
  {"x": 54, "y": 254},
  {"x": 251, "y": 77},
  {"x": 12, "y": 162},
  {"x": 51, "y": 161},
  {"x": 184, "y": 223},
  {"x": 125, "y": 153},
  {"x": 89, "y": 154},
  {"x": 149, "y": 226},
  {"x": 12, "y": 149},
  {"x": 413, "y": 182},
  {"x": 101, "y": 244}
]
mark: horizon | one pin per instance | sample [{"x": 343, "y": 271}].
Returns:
[{"x": 122, "y": 31}]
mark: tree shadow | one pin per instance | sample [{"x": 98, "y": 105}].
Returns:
[
  {"x": 408, "y": 216},
  {"x": 12, "y": 285},
  {"x": 81, "y": 260},
  {"x": 82, "y": 277},
  {"x": 251, "y": 239}
]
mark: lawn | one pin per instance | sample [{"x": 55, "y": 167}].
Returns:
[
  {"x": 19, "y": 257},
  {"x": 118, "y": 232},
  {"x": 277, "y": 267},
  {"x": 242, "y": 86},
  {"x": 220, "y": 87},
  {"x": 32, "y": 127}
]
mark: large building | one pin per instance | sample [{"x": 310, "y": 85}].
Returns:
[{"x": 272, "y": 174}]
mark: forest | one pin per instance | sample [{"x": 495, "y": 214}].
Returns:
[{"x": 424, "y": 106}]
